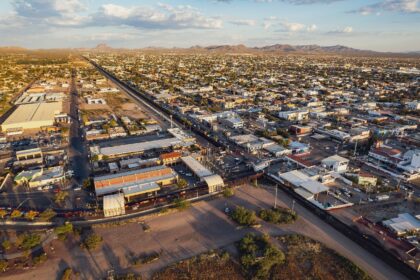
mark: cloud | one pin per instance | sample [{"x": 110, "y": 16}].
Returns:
[
  {"x": 294, "y": 2},
  {"x": 399, "y": 6},
  {"x": 286, "y": 26},
  {"x": 67, "y": 14},
  {"x": 292, "y": 26},
  {"x": 338, "y": 31},
  {"x": 47, "y": 8},
  {"x": 162, "y": 17},
  {"x": 246, "y": 22}
]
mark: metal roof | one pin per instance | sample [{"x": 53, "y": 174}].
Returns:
[
  {"x": 34, "y": 112},
  {"x": 140, "y": 189},
  {"x": 313, "y": 186},
  {"x": 113, "y": 201},
  {"x": 139, "y": 147},
  {"x": 196, "y": 167},
  {"x": 214, "y": 180}
]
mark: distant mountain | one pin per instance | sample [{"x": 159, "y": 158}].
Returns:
[
  {"x": 103, "y": 47},
  {"x": 283, "y": 48},
  {"x": 12, "y": 49},
  {"x": 241, "y": 49}
]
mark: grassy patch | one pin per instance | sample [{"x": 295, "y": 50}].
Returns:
[
  {"x": 258, "y": 256},
  {"x": 212, "y": 265},
  {"x": 309, "y": 259}
]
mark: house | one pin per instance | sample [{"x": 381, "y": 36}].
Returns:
[
  {"x": 403, "y": 223},
  {"x": 366, "y": 179},
  {"x": 384, "y": 154},
  {"x": 170, "y": 158},
  {"x": 414, "y": 105},
  {"x": 297, "y": 115},
  {"x": 335, "y": 163}
]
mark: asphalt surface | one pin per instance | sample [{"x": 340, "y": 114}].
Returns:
[
  {"x": 201, "y": 228},
  {"x": 77, "y": 152}
]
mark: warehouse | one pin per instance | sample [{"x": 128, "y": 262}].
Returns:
[
  {"x": 130, "y": 180},
  {"x": 196, "y": 167},
  {"x": 123, "y": 150},
  {"x": 213, "y": 181},
  {"x": 32, "y": 116}
]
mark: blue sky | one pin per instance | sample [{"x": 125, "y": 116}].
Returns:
[{"x": 382, "y": 25}]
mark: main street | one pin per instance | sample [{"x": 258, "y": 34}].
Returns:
[{"x": 77, "y": 150}]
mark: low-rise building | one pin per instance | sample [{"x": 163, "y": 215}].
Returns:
[
  {"x": 114, "y": 205},
  {"x": 336, "y": 163}
]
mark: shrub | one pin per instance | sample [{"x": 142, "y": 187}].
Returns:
[
  {"x": 63, "y": 230},
  {"x": 278, "y": 215},
  {"x": 6, "y": 244},
  {"x": 47, "y": 215},
  {"x": 243, "y": 216},
  {"x": 16, "y": 214},
  {"x": 228, "y": 192},
  {"x": 92, "y": 241},
  {"x": 258, "y": 256},
  {"x": 181, "y": 204},
  {"x": 3, "y": 265},
  {"x": 28, "y": 241}
]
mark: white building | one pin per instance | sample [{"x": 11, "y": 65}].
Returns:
[
  {"x": 114, "y": 205},
  {"x": 294, "y": 115},
  {"x": 336, "y": 163}
]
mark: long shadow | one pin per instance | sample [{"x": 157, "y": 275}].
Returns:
[
  {"x": 84, "y": 262},
  {"x": 113, "y": 260},
  {"x": 62, "y": 265}
]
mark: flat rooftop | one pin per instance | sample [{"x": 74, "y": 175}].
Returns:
[{"x": 34, "y": 112}]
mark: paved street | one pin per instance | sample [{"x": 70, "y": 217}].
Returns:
[
  {"x": 185, "y": 234},
  {"x": 77, "y": 149}
]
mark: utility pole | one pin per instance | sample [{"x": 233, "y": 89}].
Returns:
[
  {"x": 275, "y": 198},
  {"x": 355, "y": 149}
]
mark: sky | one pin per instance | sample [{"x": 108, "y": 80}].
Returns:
[{"x": 380, "y": 25}]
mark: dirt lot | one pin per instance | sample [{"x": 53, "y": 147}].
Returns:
[{"x": 185, "y": 234}]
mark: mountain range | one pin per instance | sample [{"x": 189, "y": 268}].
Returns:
[{"x": 242, "y": 49}]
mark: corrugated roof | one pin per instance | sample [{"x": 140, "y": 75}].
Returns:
[
  {"x": 139, "y": 147},
  {"x": 213, "y": 180},
  {"x": 34, "y": 112},
  {"x": 196, "y": 167},
  {"x": 313, "y": 186},
  {"x": 114, "y": 201}
]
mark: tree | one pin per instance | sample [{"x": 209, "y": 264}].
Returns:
[
  {"x": 87, "y": 184},
  {"x": 28, "y": 241},
  {"x": 228, "y": 192},
  {"x": 182, "y": 183},
  {"x": 31, "y": 215},
  {"x": 47, "y": 215},
  {"x": 63, "y": 230},
  {"x": 92, "y": 241},
  {"x": 16, "y": 214},
  {"x": 6, "y": 244},
  {"x": 60, "y": 197},
  {"x": 3, "y": 213},
  {"x": 243, "y": 216},
  {"x": 3, "y": 265},
  {"x": 181, "y": 204}
]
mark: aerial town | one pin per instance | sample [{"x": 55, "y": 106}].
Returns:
[{"x": 115, "y": 165}]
